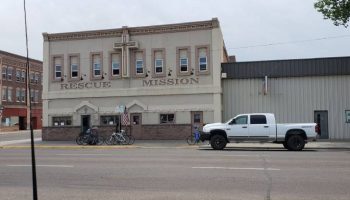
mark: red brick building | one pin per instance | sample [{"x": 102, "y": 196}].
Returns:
[{"x": 13, "y": 91}]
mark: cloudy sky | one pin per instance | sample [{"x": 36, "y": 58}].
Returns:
[{"x": 252, "y": 29}]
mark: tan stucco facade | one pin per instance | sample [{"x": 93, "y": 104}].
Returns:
[{"x": 148, "y": 93}]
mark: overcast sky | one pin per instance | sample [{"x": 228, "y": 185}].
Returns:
[{"x": 243, "y": 22}]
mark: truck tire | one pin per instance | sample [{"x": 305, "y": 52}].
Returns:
[
  {"x": 295, "y": 143},
  {"x": 218, "y": 142},
  {"x": 285, "y": 145}
]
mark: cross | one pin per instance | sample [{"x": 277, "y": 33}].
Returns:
[{"x": 125, "y": 45}]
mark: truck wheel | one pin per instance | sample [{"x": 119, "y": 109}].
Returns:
[
  {"x": 285, "y": 145},
  {"x": 295, "y": 143},
  {"x": 218, "y": 142}
]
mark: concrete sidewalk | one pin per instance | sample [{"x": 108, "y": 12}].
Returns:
[{"x": 161, "y": 144}]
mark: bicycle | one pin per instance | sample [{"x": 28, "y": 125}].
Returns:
[
  {"x": 194, "y": 138},
  {"x": 118, "y": 138},
  {"x": 90, "y": 137}
]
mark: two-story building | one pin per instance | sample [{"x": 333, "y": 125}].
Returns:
[
  {"x": 13, "y": 91},
  {"x": 167, "y": 76}
]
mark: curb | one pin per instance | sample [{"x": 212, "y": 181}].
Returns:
[{"x": 96, "y": 147}]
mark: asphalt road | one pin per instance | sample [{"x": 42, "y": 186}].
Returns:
[{"x": 176, "y": 173}]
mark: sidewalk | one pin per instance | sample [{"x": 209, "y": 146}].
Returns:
[{"x": 164, "y": 144}]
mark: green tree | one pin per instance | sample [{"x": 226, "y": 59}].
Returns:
[{"x": 336, "y": 10}]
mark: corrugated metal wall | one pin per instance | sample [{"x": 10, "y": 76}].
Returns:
[{"x": 292, "y": 100}]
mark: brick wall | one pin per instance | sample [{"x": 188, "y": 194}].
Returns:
[{"x": 148, "y": 132}]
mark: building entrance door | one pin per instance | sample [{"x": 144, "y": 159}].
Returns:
[
  {"x": 85, "y": 123},
  {"x": 197, "y": 120},
  {"x": 22, "y": 123},
  {"x": 136, "y": 122},
  {"x": 321, "y": 118}
]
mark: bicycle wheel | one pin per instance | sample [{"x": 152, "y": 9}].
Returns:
[
  {"x": 191, "y": 140},
  {"x": 78, "y": 140},
  {"x": 125, "y": 140},
  {"x": 109, "y": 140},
  {"x": 131, "y": 139},
  {"x": 85, "y": 140},
  {"x": 100, "y": 140}
]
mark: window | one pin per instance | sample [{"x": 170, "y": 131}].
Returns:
[
  {"x": 18, "y": 75},
  {"x": 240, "y": 120},
  {"x": 158, "y": 66},
  {"x": 36, "y": 96},
  {"x": 4, "y": 72},
  {"x": 139, "y": 58},
  {"x": 183, "y": 59},
  {"x": 23, "y": 95},
  {"x": 202, "y": 54},
  {"x": 197, "y": 118},
  {"x": 62, "y": 121},
  {"x": 4, "y": 94},
  {"x": 183, "y": 64},
  {"x": 58, "y": 67},
  {"x": 110, "y": 120},
  {"x": 115, "y": 64},
  {"x": 23, "y": 76},
  {"x": 158, "y": 59},
  {"x": 167, "y": 118},
  {"x": 347, "y": 116},
  {"x": 9, "y": 94},
  {"x": 139, "y": 66},
  {"x": 18, "y": 95},
  {"x": 96, "y": 65},
  {"x": 9, "y": 73},
  {"x": 32, "y": 93},
  {"x": 257, "y": 119},
  {"x": 31, "y": 77},
  {"x": 36, "y": 78},
  {"x": 74, "y": 66}
]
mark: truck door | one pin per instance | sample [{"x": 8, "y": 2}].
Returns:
[
  {"x": 259, "y": 129},
  {"x": 238, "y": 128}
]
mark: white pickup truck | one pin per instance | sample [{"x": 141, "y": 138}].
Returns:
[{"x": 260, "y": 127}]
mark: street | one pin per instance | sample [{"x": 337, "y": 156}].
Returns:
[{"x": 177, "y": 173}]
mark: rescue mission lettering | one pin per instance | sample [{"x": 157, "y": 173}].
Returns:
[
  {"x": 67, "y": 86},
  {"x": 170, "y": 81}
]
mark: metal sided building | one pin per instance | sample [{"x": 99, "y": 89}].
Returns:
[{"x": 301, "y": 90}]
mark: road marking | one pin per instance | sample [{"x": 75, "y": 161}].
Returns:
[
  {"x": 18, "y": 141},
  {"x": 237, "y": 168},
  {"x": 81, "y": 154},
  {"x": 62, "y": 166}
]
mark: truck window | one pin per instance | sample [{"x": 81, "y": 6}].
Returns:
[
  {"x": 241, "y": 120},
  {"x": 257, "y": 119}
]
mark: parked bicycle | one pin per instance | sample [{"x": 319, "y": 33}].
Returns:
[
  {"x": 118, "y": 138},
  {"x": 90, "y": 137},
  {"x": 131, "y": 138},
  {"x": 194, "y": 138}
]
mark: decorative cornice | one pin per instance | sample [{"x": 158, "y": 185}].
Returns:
[{"x": 144, "y": 30}]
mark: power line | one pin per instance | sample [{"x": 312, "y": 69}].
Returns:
[{"x": 291, "y": 42}]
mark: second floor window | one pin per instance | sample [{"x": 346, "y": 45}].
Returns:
[
  {"x": 203, "y": 59},
  {"x": 4, "y": 72},
  {"x": 115, "y": 64},
  {"x": 36, "y": 78},
  {"x": 4, "y": 93},
  {"x": 183, "y": 64},
  {"x": 18, "y": 75},
  {"x": 31, "y": 77},
  {"x": 74, "y": 66},
  {"x": 18, "y": 94},
  {"x": 23, "y": 95},
  {"x": 158, "y": 66},
  {"x": 9, "y": 94},
  {"x": 96, "y": 65},
  {"x": 139, "y": 66},
  {"x": 23, "y": 76},
  {"x": 9, "y": 73},
  {"x": 58, "y": 69}
]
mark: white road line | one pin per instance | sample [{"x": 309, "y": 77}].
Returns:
[
  {"x": 237, "y": 168},
  {"x": 81, "y": 154},
  {"x": 62, "y": 166},
  {"x": 18, "y": 141}
]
